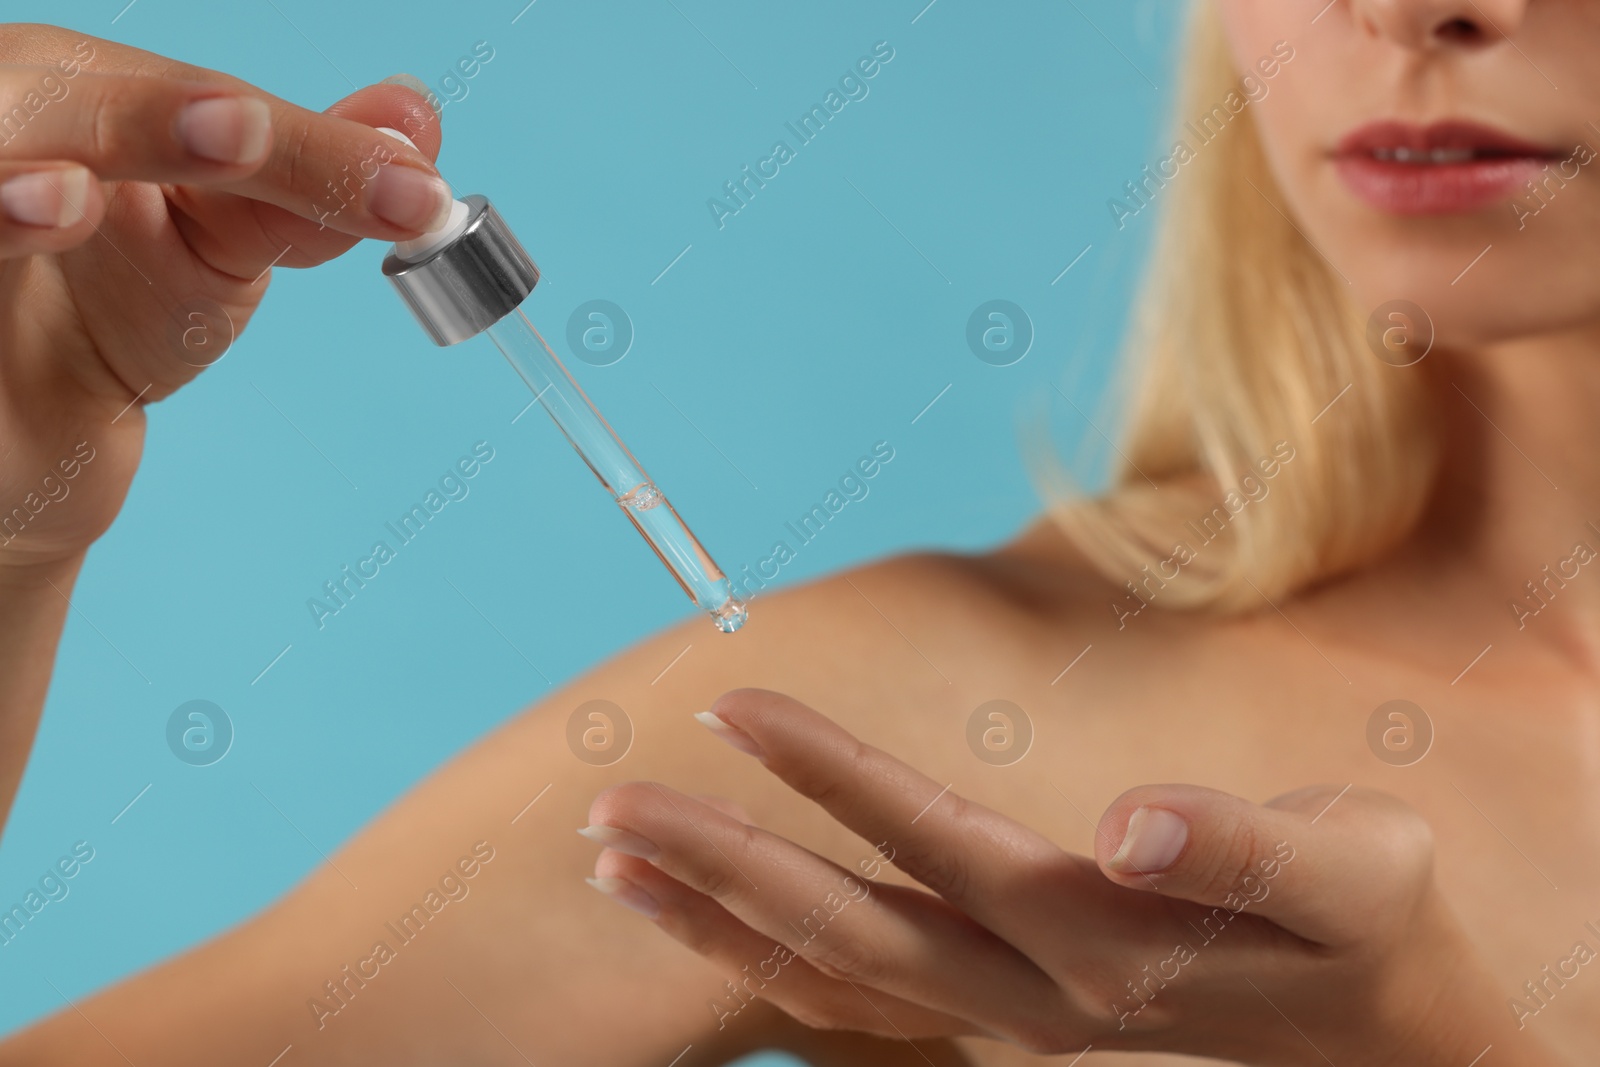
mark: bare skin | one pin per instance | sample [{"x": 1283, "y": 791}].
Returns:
[
  {"x": 535, "y": 966},
  {"x": 1251, "y": 706}
]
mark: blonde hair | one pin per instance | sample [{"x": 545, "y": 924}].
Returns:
[{"x": 1242, "y": 336}]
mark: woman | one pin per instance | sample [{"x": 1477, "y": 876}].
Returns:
[{"x": 1345, "y": 530}]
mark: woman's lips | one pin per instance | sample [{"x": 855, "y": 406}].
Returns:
[{"x": 1445, "y": 168}]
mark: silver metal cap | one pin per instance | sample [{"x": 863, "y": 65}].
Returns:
[{"x": 461, "y": 289}]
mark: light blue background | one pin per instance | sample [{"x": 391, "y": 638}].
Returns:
[{"x": 794, "y": 338}]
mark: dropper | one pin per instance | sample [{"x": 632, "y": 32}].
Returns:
[{"x": 471, "y": 276}]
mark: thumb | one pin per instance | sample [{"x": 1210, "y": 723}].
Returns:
[{"x": 1331, "y": 865}]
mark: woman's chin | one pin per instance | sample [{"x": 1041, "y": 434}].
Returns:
[{"x": 1472, "y": 297}]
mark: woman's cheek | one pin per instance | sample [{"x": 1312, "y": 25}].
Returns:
[
  {"x": 1298, "y": 70},
  {"x": 1252, "y": 27}
]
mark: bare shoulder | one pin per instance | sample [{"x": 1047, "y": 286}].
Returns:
[
  {"x": 920, "y": 630},
  {"x": 911, "y": 627}
]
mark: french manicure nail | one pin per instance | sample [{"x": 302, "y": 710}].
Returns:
[
  {"x": 628, "y": 895},
  {"x": 48, "y": 198},
  {"x": 730, "y": 733},
  {"x": 622, "y": 841},
  {"x": 1155, "y": 837},
  {"x": 226, "y": 129},
  {"x": 409, "y": 198}
]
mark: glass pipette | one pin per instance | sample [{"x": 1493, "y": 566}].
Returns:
[
  {"x": 651, "y": 513},
  {"x": 470, "y": 277}
]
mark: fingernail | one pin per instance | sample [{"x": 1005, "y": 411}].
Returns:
[
  {"x": 50, "y": 198},
  {"x": 731, "y": 734},
  {"x": 1155, "y": 837},
  {"x": 409, "y": 198},
  {"x": 226, "y": 129},
  {"x": 622, "y": 841},
  {"x": 628, "y": 895},
  {"x": 418, "y": 86}
]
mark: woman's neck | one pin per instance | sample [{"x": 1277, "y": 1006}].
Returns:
[{"x": 1515, "y": 515}]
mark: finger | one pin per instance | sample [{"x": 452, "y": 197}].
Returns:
[
  {"x": 903, "y": 941},
  {"x": 759, "y": 967},
  {"x": 968, "y": 854},
  {"x": 223, "y": 133},
  {"x": 134, "y": 128},
  {"x": 70, "y": 51},
  {"x": 47, "y": 207},
  {"x": 243, "y": 237},
  {"x": 726, "y": 806},
  {"x": 344, "y": 175},
  {"x": 1327, "y": 864}
]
